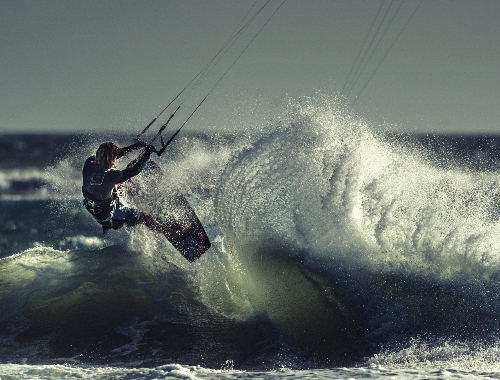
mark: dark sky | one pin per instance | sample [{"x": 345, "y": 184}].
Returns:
[{"x": 73, "y": 65}]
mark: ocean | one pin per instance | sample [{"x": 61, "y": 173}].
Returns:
[{"x": 338, "y": 251}]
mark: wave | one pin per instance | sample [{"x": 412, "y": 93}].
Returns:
[
  {"x": 323, "y": 182},
  {"x": 410, "y": 246},
  {"x": 114, "y": 305},
  {"x": 332, "y": 244},
  {"x": 59, "y": 182},
  {"x": 22, "y": 184}
]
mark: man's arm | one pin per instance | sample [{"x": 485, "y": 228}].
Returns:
[
  {"x": 138, "y": 145},
  {"x": 135, "y": 167}
]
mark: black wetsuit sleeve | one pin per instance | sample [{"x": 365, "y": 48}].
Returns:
[{"x": 133, "y": 168}]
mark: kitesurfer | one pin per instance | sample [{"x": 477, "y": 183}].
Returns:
[{"x": 100, "y": 187}]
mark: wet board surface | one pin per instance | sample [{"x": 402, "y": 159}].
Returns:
[{"x": 186, "y": 233}]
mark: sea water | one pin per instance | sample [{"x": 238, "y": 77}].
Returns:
[{"x": 339, "y": 251}]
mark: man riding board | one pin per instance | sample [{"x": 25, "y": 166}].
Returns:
[{"x": 100, "y": 193}]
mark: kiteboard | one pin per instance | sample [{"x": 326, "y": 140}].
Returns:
[{"x": 184, "y": 230}]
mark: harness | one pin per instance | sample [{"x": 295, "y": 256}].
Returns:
[{"x": 103, "y": 211}]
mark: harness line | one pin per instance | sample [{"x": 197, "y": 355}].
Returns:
[
  {"x": 204, "y": 73},
  {"x": 210, "y": 65},
  {"x": 385, "y": 55},
  {"x": 376, "y": 35}
]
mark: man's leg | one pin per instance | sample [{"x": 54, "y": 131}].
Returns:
[{"x": 154, "y": 225}]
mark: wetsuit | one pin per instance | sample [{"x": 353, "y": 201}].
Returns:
[{"x": 99, "y": 190}]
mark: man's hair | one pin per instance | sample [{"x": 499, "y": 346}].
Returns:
[{"x": 106, "y": 155}]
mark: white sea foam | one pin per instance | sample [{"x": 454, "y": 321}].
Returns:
[
  {"x": 318, "y": 221},
  {"x": 59, "y": 182}
]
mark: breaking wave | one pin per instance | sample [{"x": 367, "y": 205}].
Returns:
[{"x": 333, "y": 244}]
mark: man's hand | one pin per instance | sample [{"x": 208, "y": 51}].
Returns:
[{"x": 150, "y": 148}]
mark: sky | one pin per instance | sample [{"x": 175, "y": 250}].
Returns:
[{"x": 113, "y": 65}]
